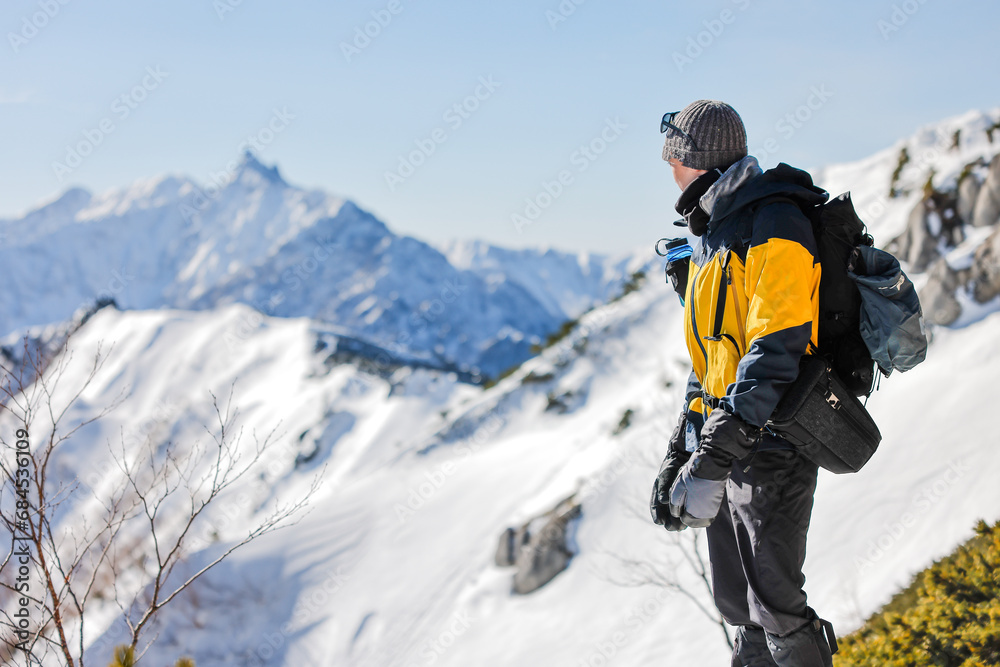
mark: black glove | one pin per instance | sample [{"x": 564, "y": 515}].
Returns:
[
  {"x": 724, "y": 438},
  {"x": 696, "y": 496},
  {"x": 677, "y": 456}
]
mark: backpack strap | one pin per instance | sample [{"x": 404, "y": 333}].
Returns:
[
  {"x": 744, "y": 234},
  {"x": 708, "y": 399}
]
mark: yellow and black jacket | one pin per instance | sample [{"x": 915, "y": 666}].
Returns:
[{"x": 752, "y": 300}]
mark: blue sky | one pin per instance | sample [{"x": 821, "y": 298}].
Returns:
[{"x": 178, "y": 87}]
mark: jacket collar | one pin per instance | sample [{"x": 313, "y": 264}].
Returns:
[
  {"x": 739, "y": 174},
  {"x": 689, "y": 203}
]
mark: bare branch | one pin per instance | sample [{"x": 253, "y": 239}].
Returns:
[{"x": 126, "y": 544}]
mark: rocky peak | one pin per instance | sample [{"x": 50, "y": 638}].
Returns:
[
  {"x": 955, "y": 236},
  {"x": 252, "y": 172}
]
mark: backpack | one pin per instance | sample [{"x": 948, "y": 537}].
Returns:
[{"x": 869, "y": 313}]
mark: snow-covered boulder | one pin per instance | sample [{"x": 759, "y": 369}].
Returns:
[
  {"x": 968, "y": 192},
  {"x": 985, "y": 274},
  {"x": 987, "y": 210},
  {"x": 539, "y": 549},
  {"x": 937, "y": 299}
]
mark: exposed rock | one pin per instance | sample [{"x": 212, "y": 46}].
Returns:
[
  {"x": 968, "y": 191},
  {"x": 936, "y": 223},
  {"x": 539, "y": 548},
  {"x": 985, "y": 271},
  {"x": 935, "y": 219},
  {"x": 916, "y": 245},
  {"x": 987, "y": 209},
  {"x": 937, "y": 298},
  {"x": 981, "y": 280},
  {"x": 510, "y": 545}
]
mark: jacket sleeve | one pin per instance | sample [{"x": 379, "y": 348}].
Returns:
[{"x": 782, "y": 287}]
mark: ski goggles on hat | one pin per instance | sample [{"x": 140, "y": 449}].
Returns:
[{"x": 668, "y": 124}]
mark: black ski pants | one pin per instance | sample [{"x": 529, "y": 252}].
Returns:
[{"x": 757, "y": 546}]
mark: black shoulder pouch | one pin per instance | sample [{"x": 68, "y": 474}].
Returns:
[{"x": 826, "y": 421}]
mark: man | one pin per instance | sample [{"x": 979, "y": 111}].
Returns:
[{"x": 750, "y": 312}]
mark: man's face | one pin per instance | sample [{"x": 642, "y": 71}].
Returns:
[{"x": 683, "y": 175}]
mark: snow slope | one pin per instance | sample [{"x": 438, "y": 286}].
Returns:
[
  {"x": 422, "y": 473},
  {"x": 393, "y": 566}
]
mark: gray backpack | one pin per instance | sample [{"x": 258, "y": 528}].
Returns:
[{"x": 892, "y": 322}]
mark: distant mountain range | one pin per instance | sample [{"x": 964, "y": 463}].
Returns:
[
  {"x": 290, "y": 252},
  {"x": 468, "y": 306}
]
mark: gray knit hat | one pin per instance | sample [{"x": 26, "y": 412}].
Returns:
[{"x": 715, "y": 136}]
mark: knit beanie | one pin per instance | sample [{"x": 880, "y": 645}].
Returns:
[{"x": 717, "y": 131}]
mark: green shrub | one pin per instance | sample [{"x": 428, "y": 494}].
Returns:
[
  {"x": 625, "y": 422},
  {"x": 564, "y": 330},
  {"x": 965, "y": 173},
  {"x": 538, "y": 378},
  {"x": 991, "y": 129},
  {"x": 928, "y": 189},
  {"x": 948, "y": 617},
  {"x": 902, "y": 161},
  {"x": 125, "y": 657},
  {"x": 634, "y": 282},
  {"x": 491, "y": 382}
]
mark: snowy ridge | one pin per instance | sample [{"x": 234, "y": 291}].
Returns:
[
  {"x": 562, "y": 282},
  {"x": 424, "y": 473},
  {"x": 287, "y": 252},
  {"x": 930, "y": 150}
]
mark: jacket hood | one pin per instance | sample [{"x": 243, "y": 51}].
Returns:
[{"x": 783, "y": 180}]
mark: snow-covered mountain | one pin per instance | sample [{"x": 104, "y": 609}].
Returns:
[
  {"x": 396, "y": 565},
  {"x": 940, "y": 151},
  {"x": 562, "y": 282},
  {"x": 288, "y": 252}
]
